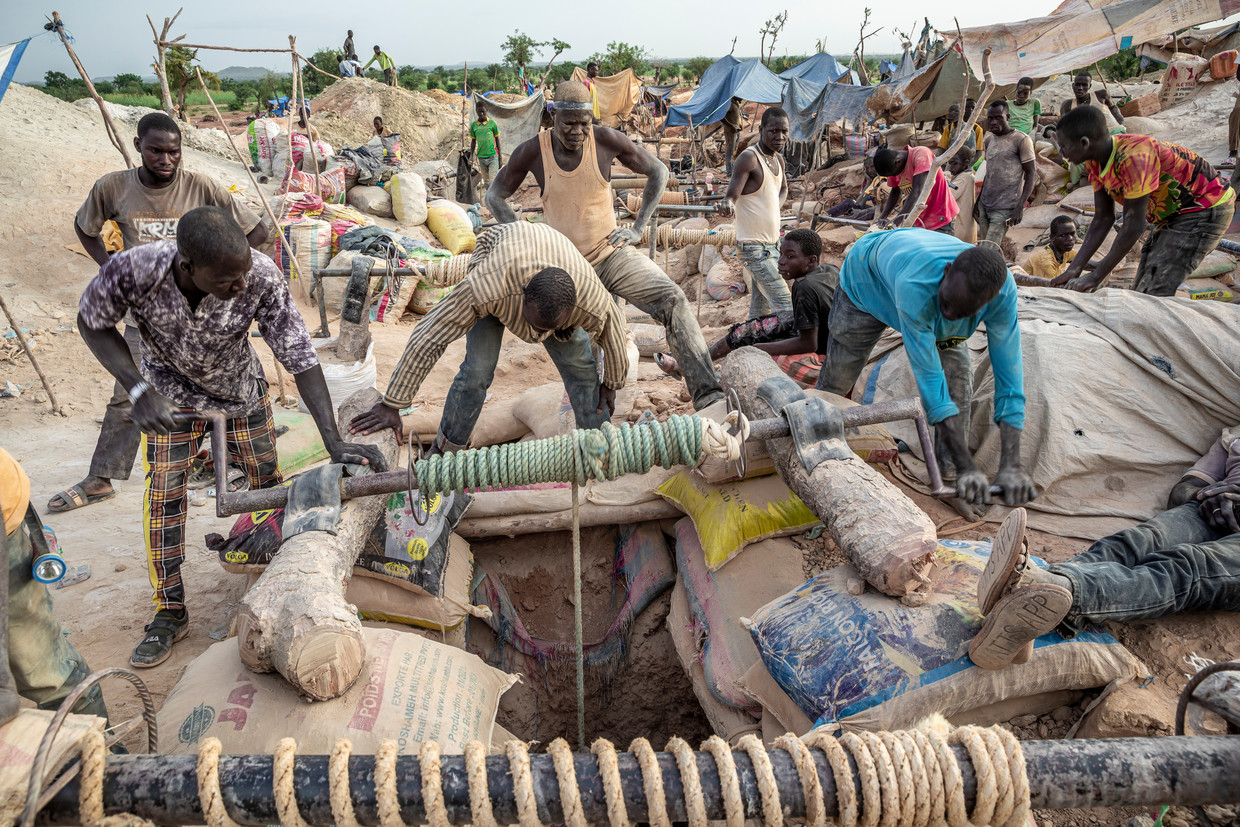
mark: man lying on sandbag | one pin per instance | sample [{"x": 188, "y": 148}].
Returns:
[
  {"x": 531, "y": 280},
  {"x": 935, "y": 290},
  {"x": 194, "y": 299},
  {"x": 1185, "y": 559}
]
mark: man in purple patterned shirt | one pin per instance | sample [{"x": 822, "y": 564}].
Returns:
[{"x": 194, "y": 300}]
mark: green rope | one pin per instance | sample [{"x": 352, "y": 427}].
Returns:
[{"x": 579, "y": 456}]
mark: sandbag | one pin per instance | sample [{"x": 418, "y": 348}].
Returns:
[
  {"x": 869, "y": 662},
  {"x": 1182, "y": 79},
  {"x": 693, "y": 252},
  {"x": 427, "y": 295},
  {"x": 310, "y": 152},
  {"x": 723, "y": 283},
  {"x": 408, "y": 198},
  {"x": 711, "y": 254},
  {"x": 262, "y": 136},
  {"x": 451, "y": 226},
  {"x": 1204, "y": 289},
  {"x": 394, "y": 296},
  {"x": 343, "y": 212},
  {"x": 329, "y": 186},
  {"x": 411, "y": 690},
  {"x": 302, "y": 445},
  {"x": 649, "y": 338},
  {"x": 731, "y": 516},
  {"x": 547, "y": 411},
  {"x": 343, "y": 379},
  {"x": 309, "y": 244},
  {"x": 1215, "y": 264},
  {"x": 373, "y": 200},
  {"x": 411, "y": 555},
  {"x": 1041, "y": 216}
]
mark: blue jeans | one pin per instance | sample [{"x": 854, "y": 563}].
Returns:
[
  {"x": 770, "y": 293},
  {"x": 573, "y": 359},
  {"x": 1172, "y": 563}
]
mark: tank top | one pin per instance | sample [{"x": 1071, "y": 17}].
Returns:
[
  {"x": 579, "y": 204},
  {"x": 757, "y": 214}
]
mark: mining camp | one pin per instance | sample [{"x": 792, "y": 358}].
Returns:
[{"x": 834, "y": 438}]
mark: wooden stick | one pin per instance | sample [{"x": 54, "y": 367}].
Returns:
[
  {"x": 113, "y": 133},
  {"x": 315, "y": 68},
  {"x": 21, "y": 337},
  {"x": 813, "y": 159},
  {"x": 161, "y": 65},
  {"x": 167, "y": 43}
]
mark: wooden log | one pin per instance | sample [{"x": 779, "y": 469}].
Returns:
[
  {"x": 295, "y": 619},
  {"x": 887, "y": 538},
  {"x": 591, "y": 515}
]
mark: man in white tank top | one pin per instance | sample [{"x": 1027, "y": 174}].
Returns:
[
  {"x": 572, "y": 164},
  {"x": 757, "y": 191}
]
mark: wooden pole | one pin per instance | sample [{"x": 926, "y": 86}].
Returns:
[
  {"x": 813, "y": 160},
  {"x": 161, "y": 66},
  {"x": 21, "y": 337},
  {"x": 113, "y": 133},
  {"x": 175, "y": 42}
]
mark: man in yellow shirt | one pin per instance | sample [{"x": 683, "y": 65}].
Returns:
[
  {"x": 37, "y": 661},
  {"x": 386, "y": 64},
  {"x": 1050, "y": 261},
  {"x": 973, "y": 142}
]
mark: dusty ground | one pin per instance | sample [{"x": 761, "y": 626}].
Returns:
[{"x": 57, "y": 150}]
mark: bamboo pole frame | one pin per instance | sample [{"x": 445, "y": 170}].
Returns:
[
  {"x": 114, "y": 134},
  {"x": 161, "y": 65}
]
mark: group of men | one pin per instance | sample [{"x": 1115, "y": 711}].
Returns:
[
  {"x": 189, "y": 286},
  {"x": 347, "y": 62}
]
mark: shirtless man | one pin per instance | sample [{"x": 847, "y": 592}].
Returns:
[
  {"x": 757, "y": 190},
  {"x": 572, "y": 164}
]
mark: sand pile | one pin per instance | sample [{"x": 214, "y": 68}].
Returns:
[
  {"x": 344, "y": 114},
  {"x": 214, "y": 141}
]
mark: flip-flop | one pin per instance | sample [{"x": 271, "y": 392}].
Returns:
[
  {"x": 1006, "y": 556},
  {"x": 76, "y": 497},
  {"x": 1017, "y": 620},
  {"x": 660, "y": 360}
]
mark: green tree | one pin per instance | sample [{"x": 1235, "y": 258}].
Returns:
[
  {"x": 105, "y": 87},
  {"x": 671, "y": 72},
  {"x": 313, "y": 82},
  {"x": 127, "y": 82},
  {"x": 434, "y": 81},
  {"x": 181, "y": 63},
  {"x": 520, "y": 49},
  {"x": 620, "y": 56},
  {"x": 55, "y": 80},
  {"x": 697, "y": 66}
]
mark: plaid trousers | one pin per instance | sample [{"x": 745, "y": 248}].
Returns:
[{"x": 167, "y": 459}]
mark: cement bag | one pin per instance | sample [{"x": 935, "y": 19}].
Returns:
[
  {"x": 343, "y": 379},
  {"x": 262, "y": 136},
  {"x": 730, "y": 517},
  {"x": 451, "y": 226},
  {"x": 1182, "y": 78},
  {"x": 411, "y": 690},
  {"x": 427, "y": 295},
  {"x": 393, "y": 300},
  {"x": 1215, "y": 264},
  {"x": 870, "y": 662},
  {"x": 649, "y": 338},
  {"x": 723, "y": 283},
  {"x": 1040, "y": 217},
  {"x": 410, "y": 555},
  {"x": 1204, "y": 289},
  {"x": 718, "y": 600},
  {"x": 409, "y": 198},
  {"x": 316, "y": 150},
  {"x": 373, "y": 200},
  {"x": 343, "y": 212}
]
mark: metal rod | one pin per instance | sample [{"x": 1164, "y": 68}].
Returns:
[{"x": 1113, "y": 772}]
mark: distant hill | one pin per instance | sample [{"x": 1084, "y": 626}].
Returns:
[{"x": 243, "y": 73}]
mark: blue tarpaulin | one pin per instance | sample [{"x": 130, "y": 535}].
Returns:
[
  {"x": 820, "y": 69},
  {"x": 727, "y": 78},
  {"x": 810, "y": 107}
]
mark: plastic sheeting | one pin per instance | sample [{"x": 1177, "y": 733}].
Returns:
[
  {"x": 820, "y": 69},
  {"x": 725, "y": 79},
  {"x": 617, "y": 94},
  {"x": 810, "y": 109},
  {"x": 931, "y": 90},
  {"x": 517, "y": 122}
]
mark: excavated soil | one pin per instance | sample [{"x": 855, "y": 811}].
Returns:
[{"x": 344, "y": 114}]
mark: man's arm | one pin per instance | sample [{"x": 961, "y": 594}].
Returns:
[
  {"x": 1104, "y": 97},
  {"x": 257, "y": 236},
  {"x": 93, "y": 245},
  {"x": 1099, "y": 228},
  {"x": 152, "y": 411},
  {"x": 313, "y": 390},
  {"x": 918, "y": 180},
  {"x": 742, "y": 168},
  {"x": 499, "y": 151},
  {"x": 1007, "y": 364},
  {"x": 643, "y": 163},
  {"x": 892, "y": 198},
  {"x": 1029, "y": 173},
  {"x": 806, "y": 341},
  {"x": 1131, "y": 228},
  {"x": 509, "y": 179}
]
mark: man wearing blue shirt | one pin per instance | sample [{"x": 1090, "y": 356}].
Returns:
[{"x": 935, "y": 290}]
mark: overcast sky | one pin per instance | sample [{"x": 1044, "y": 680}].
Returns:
[{"x": 113, "y": 37}]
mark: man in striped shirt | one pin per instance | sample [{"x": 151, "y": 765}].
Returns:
[{"x": 531, "y": 280}]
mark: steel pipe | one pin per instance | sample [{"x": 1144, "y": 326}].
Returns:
[{"x": 1063, "y": 774}]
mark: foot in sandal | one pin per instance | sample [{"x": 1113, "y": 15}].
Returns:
[
  {"x": 1017, "y": 620},
  {"x": 87, "y": 492}
]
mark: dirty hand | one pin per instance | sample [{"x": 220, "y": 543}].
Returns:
[
  {"x": 1219, "y": 507},
  {"x": 1083, "y": 284},
  {"x": 624, "y": 235},
  {"x": 1016, "y": 484},
  {"x": 1016, "y": 216},
  {"x": 1103, "y": 96},
  {"x": 606, "y": 399},
  {"x": 376, "y": 419},
  {"x": 724, "y": 207},
  {"x": 1073, "y": 272},
  {"x": 356, "y": 453},
  {"x": 153, "y": 413},
  {"x": 972, "y": 486}
]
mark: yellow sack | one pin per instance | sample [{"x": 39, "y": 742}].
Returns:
[
  {"x": 451, "y": 226},
  {"x": 113, "y": 242},
  {"x": 730, "y": 517}
]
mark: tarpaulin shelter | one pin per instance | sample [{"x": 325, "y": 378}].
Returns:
[
  {"x": 617, "y": 94},
  {"x": 820, "y": 69},
  {"x": 931, "y": 90},
  {"x": 810, "y": 107},
  {"x": 1202, "y": 42},
  {"x": 725, "y": 79},
  {"x": 517, "y": 122},
  {"x": 1081, "y": 32}
]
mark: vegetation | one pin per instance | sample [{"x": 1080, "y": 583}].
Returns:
[
  {"x": 620, "y": 56},
  {"x": 1120, "y": 66}
]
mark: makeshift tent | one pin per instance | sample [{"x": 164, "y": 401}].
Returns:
[
  {"x": 1203, "y": 42},
  {"x": 810, "y": 108},
  {"x": 1080, "y": 33},
  {"x": 930, "y": 91},
  {"x": 617, "y": 94},
  {"x": 725, "y": 79},
  {"x": 517, "y": 122},
  {"x": 820, "y": 69}
]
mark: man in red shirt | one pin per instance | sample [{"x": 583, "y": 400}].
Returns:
[
  {"x": 1162, "y": 185},
  {"x": 906, "y": 171}
]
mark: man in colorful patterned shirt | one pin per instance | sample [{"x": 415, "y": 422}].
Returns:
[
  {"x": 1160, "y": 184},
  {"x": 194, "y": 299}
]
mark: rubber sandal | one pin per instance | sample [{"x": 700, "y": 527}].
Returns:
[
  {"x": 76, "y": 497},
  {"x": 161, "y": 633},
  {"x": 1016, "y": 621},
  {"x": 660, "y": 359},
  {"x": 1006, "y": 555},
  {"x": 237, "y": 480}
]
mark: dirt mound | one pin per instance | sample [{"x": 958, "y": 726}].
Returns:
[
  {"x": 214, "y": 141},
  {"x": 440, "y": 96},
  {"x": 344, "y": 114}
]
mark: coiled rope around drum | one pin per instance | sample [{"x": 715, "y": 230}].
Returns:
[
  {"x": 445, "y": 272},
  {"x": 908, "y": 779}
]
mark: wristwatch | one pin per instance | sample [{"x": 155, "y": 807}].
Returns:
[{"x": 135, "y": 393}]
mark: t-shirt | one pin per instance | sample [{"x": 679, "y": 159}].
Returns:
[
  {"x": 811, "y": 301},
  {"x": 1177, "y": 180},
  {"x": 385, "y": 61},
  {"x": 972, "y": 141},
  {"x": 145, "y": 214},
  {"x": 895, "y": 275},
  {"x": 940, "y": 206},
  {"x": 485, "y": 134},
  {"x": 14, "y": 492},
  {"x": 1044, "y": 263},
  {"x": 1024, "y": 116},
  {"x": 1005, "y": 175},
  {"x": 349, "y": 68}
]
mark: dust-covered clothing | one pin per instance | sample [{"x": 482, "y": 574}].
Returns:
[
  {"x": 1005, "y": 173},
  {"x": 732, "y": 118},
  {"x": 502, "y": 264},
  {"x": 349, "y": 52},
  {"x": 119, "y": 438},
  {"x": 1174, "y": 249},
  {"x": 579, "y": 203},
  {"x": 200, "y": 358},
  {"x": 1023, "y": 117},
  {"x": 350, "y": 68},
  {"x": 1176, "y": 179},
  {"x": 812, "y": 295},
  {"x": 485, "y": 135},
  {"x": 147, "y": 214},
  {"x": 992, "y": 224},
  {"x": 964, "y": 190},
  {"x": 940, "y": 206},
  {"x": 1047, "y": 263}
]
